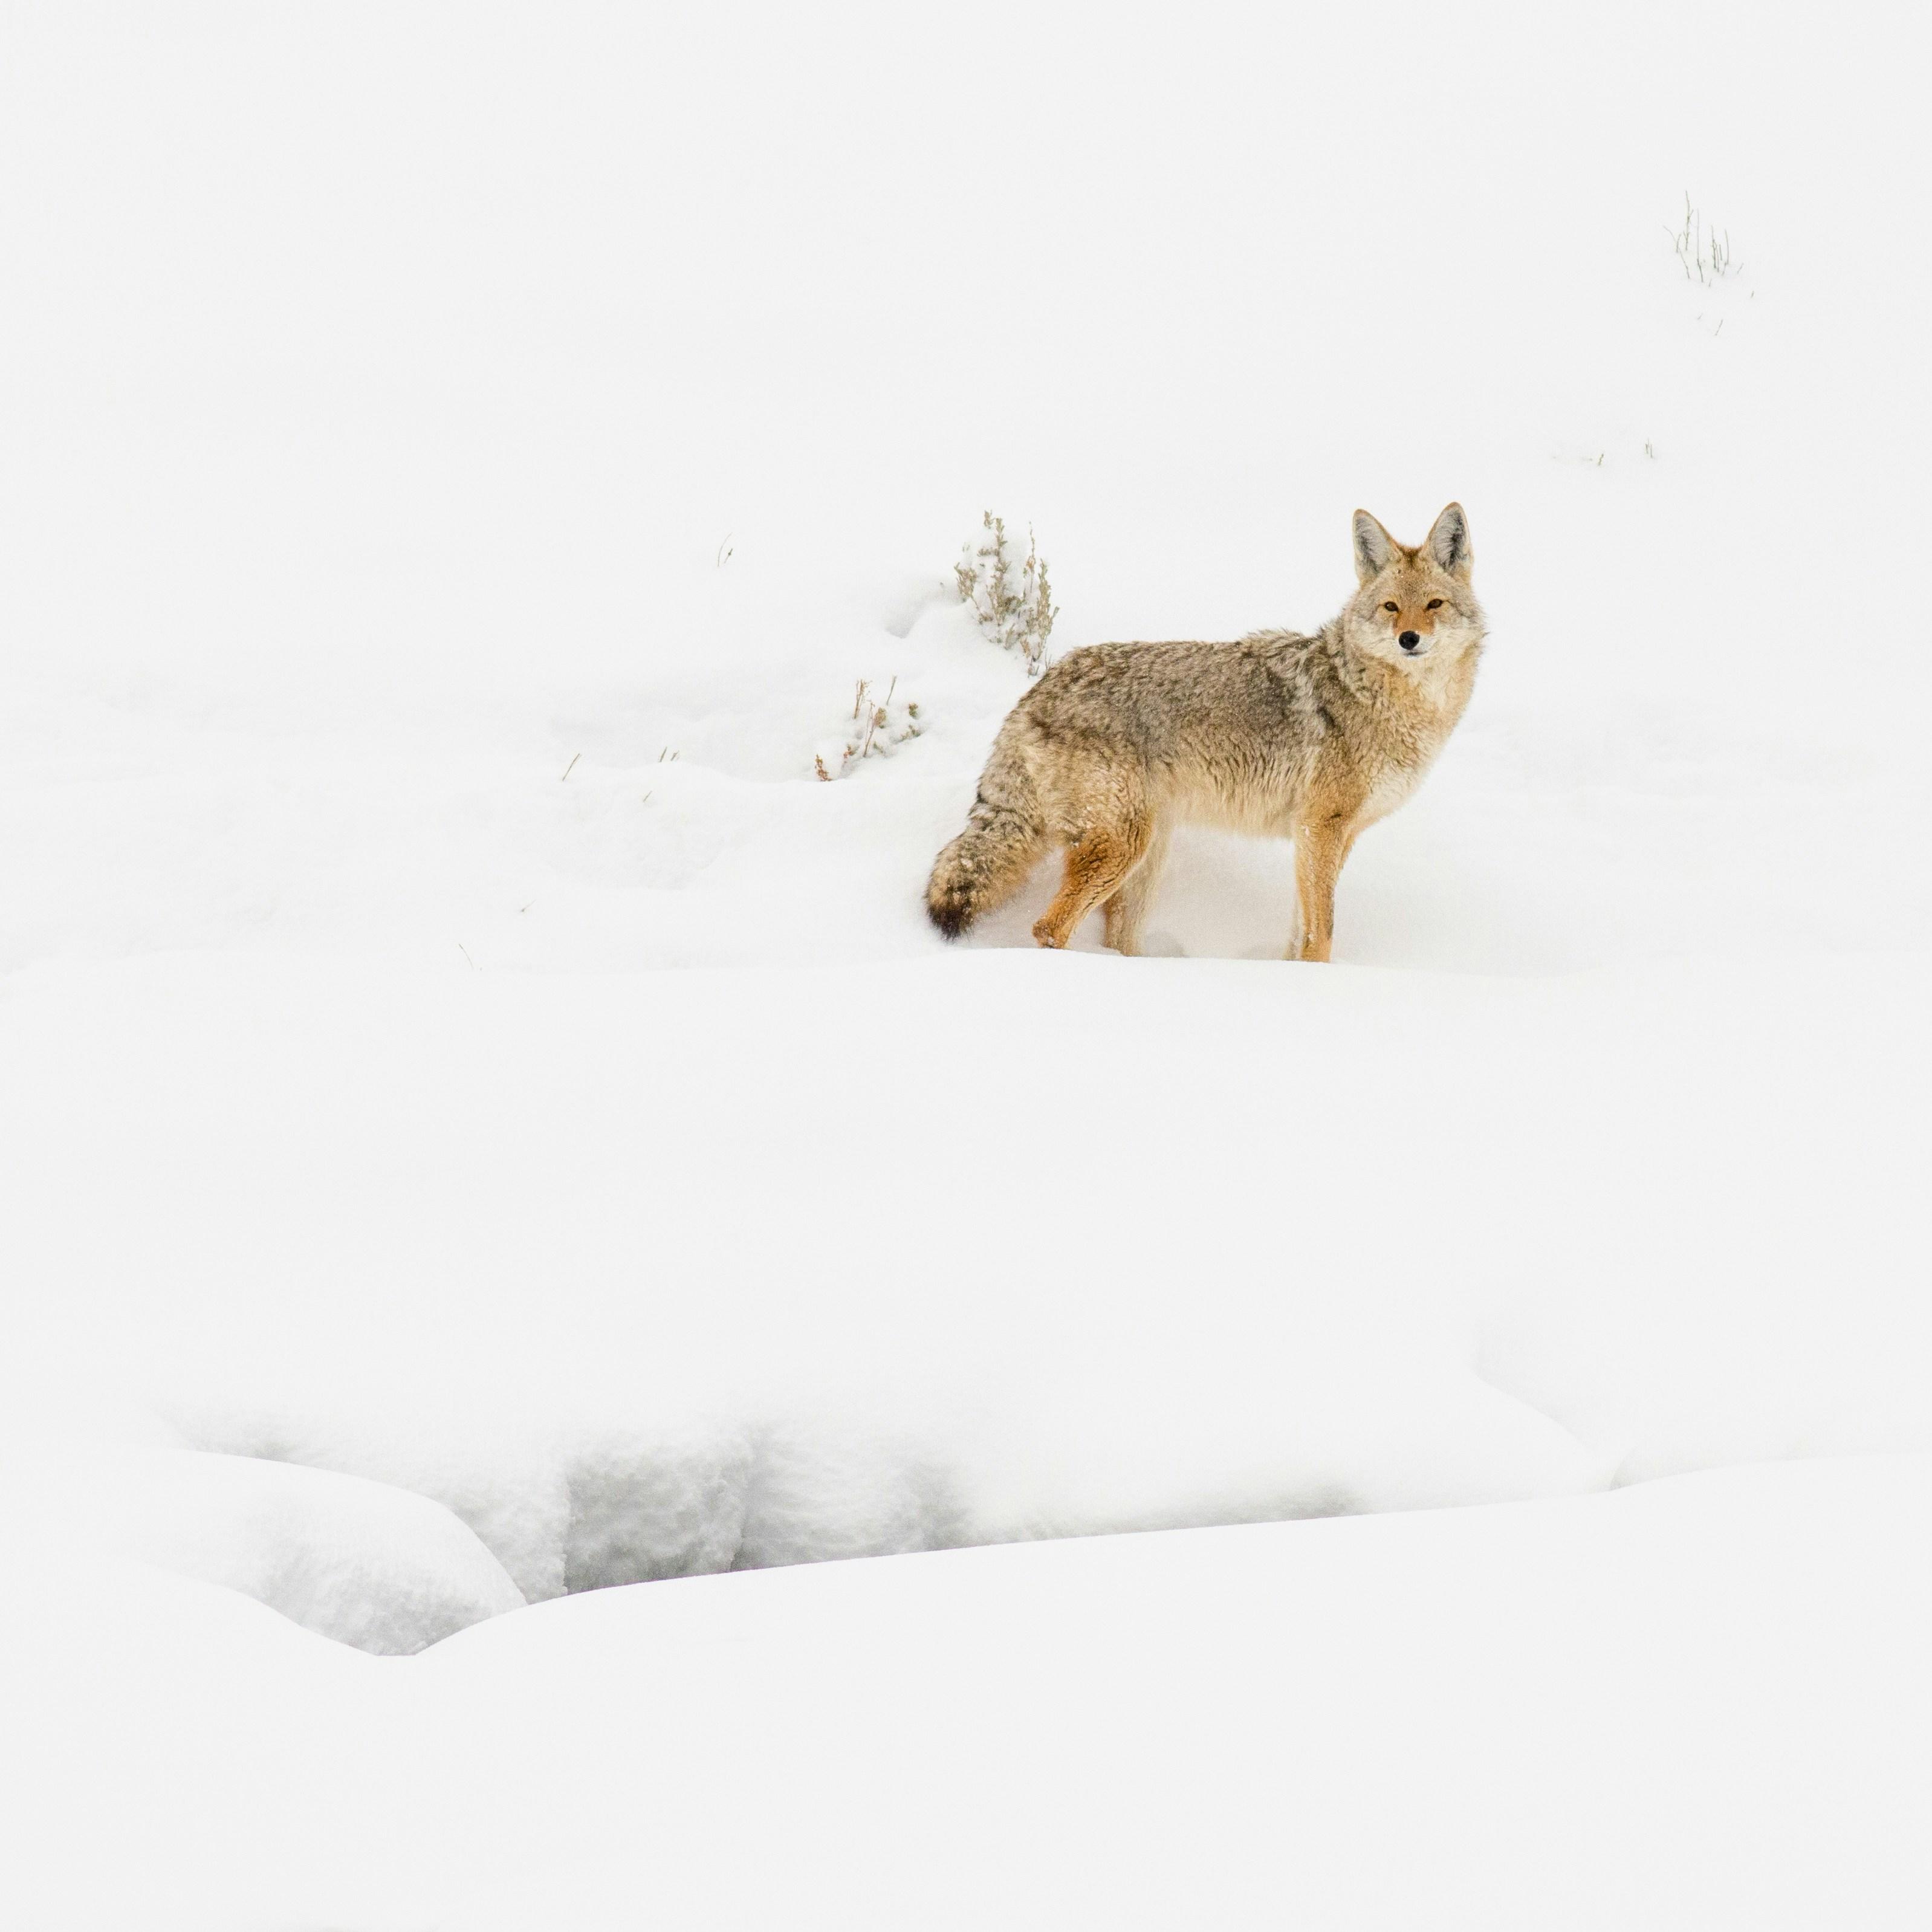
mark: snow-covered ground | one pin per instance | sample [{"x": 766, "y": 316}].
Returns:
[
  {"x": 1698, "y": 1702},
  {"x": 484, "y": 1123}
]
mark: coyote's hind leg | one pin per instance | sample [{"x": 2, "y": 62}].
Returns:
[
  {"x": 1127, "y": 910},
  {"x": 1097, "y": 863}
]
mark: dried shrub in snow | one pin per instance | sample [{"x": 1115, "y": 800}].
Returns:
[
  {"x": 1010, "y": 595},
  {"x": 875, "y": 728}
]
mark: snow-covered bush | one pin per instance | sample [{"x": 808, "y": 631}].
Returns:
[
  {"x": 1009, "y": 594},
  {"x": 875, "y": 728}
]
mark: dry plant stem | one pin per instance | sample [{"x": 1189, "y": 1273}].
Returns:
[
  {"x": 873, "y": 733},
  {"x": 1705, "y": 258}
]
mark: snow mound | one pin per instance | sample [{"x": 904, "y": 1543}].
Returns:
[{"x": 383, "y": 1569}]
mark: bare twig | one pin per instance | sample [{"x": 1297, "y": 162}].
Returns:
[{"x": 1706, "y": 256}]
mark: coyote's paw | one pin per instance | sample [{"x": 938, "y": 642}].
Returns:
[{"x": 1044, "y": 935}]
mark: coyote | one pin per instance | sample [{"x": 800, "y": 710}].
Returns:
[{"x": 1308, "y": 738}]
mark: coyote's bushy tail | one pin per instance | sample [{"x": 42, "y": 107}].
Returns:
[{"x": 1005, "y": 833}]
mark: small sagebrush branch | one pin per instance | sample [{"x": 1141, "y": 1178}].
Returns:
[
  {"x": 876, "y": 728},
  {"x": 1011, "y": 596}
]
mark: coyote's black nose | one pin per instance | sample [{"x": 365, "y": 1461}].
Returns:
[{"x": 1409, "y": 640}]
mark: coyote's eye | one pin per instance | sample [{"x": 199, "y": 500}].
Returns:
[
  {"x": 1390, "y": 607},
  {"x": 1435, "y": 603}
]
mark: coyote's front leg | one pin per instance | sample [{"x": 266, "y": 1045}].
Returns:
[{"x": 1320, "y": 847}]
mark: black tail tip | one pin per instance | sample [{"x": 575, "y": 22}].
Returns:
[{"x": 952, "y": 917}]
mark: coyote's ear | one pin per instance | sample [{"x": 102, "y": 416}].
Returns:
[
  {"x": 1449, "y": 541},
  {"x": 1374, "y": 547}
]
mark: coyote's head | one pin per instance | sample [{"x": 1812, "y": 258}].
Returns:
[{"x": 1414, "y": 603}]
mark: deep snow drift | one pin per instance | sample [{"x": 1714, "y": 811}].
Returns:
[{"x": 484, "y": 1123}]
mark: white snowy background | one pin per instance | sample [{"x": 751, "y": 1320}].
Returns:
[{"x": 483, "y": 1123}]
